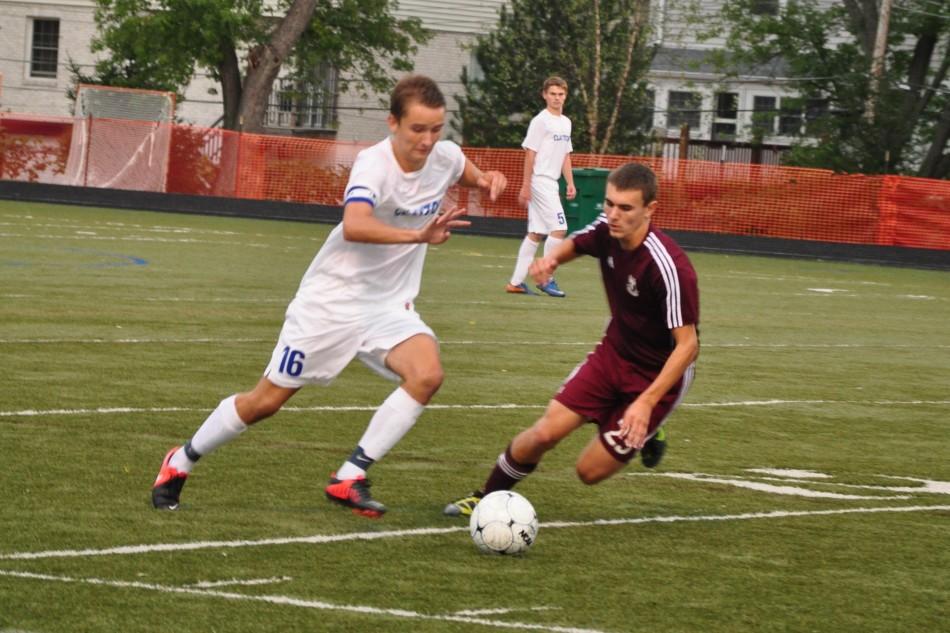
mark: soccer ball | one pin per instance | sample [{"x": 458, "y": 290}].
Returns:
[{"x": 503, "y": 522}]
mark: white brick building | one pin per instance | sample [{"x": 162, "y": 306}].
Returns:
[{"x": 39, "y": 37}]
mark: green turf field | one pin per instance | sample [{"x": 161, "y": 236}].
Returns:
[{"x": 807, "y": 485}]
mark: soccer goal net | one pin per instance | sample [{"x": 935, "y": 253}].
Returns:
[{"x": 121, "y": 138}]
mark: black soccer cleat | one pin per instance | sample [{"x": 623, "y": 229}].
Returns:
[
  {"x": 167, "y": 487},
  {"x": 652, "y": 452}
]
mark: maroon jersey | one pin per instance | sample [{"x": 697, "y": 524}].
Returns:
[{"x": 651, "y": 290}]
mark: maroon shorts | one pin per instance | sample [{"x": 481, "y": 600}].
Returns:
[{"x": 603, "y": 386}]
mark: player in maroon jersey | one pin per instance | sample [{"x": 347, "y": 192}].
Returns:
[{"x": 643, "y": 366}]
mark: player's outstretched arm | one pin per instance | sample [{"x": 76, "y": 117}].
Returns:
[
  {"x": 636, "y": 419},
  {"x": 440, "y": 228},
  {"x": 360, "y": 225},
  {"x": 494, "y": 182}
]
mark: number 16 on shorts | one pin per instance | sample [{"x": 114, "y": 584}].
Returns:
[{"x": 291, "y": 362}]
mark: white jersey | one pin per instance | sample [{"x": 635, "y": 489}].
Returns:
[
  {"x": 550, "y": 137},
  {"x": 348, "y": 278}
]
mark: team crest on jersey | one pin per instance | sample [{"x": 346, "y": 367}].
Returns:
[
  {"x": 632, "y": 286},
  {"x": 426, "y": 209}
]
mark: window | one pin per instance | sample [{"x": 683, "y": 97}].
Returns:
[
  {"x": 763, "y": 116},
  {"x": 724, "y": 132},
  {"x": 683, "y": 107},
  {"x": 790, "y": 116},
  {"x": 727, "y": 110},
  {"x": 475, "y": 72},
  {"x": 765, "y": 7},
  {"x": 44, "y": 55},
  {"x": 815, "y": 109},
  {"x": 304, "y": 104},
  {"x": 727, "y": 105}
]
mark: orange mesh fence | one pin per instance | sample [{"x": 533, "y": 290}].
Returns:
[
  {"x": 712, "y": 197},
  {"x": 915, "y": 212},
  {"x": 293, "y": 169},
  {"x": 33, "y": 148}
]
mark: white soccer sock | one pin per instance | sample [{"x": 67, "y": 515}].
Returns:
[
  {"x": 551, "y": 243},
  {"x": 222, "y": 426},
  {"x": 389, "y": 424},
  {"x": 525, "y": 257}
]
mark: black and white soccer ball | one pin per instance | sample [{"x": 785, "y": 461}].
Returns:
[{"x": 504, "y": 522}]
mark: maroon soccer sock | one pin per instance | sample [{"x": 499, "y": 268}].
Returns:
[{"x": 507, "y": 472}]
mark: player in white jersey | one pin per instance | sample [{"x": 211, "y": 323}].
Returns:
[
  {"x": 356, "y": 298},
  {"x": 547, "y": 155}
]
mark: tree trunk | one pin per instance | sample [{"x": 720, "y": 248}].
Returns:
[
  {"x": 918, "y": 95},
  {"x": 264, "y": 64},
  {"x": 593, "y": 106},
  {"x": 936, "y": 164},
  {"x": 230, "y": 73},
  {"x": 635, "y": 28},
  {"x": 863, "y": 17}
]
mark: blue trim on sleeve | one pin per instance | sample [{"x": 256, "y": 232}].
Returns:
[
  {"x": 371, "y": 202},
  {"x": 350, "y": 190}
]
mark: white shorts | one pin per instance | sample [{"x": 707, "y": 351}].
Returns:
[
  {"x": 545, "y": 213},
  {"x": 314, "y": 349}
]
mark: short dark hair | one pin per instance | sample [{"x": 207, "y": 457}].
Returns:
[
  {"x": 415, "y": 88},
  {"x": 635, "y": 176}
]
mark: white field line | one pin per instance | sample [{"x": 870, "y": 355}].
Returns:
[
  {"x": 131, "y": 238},
  {"x": 464, "y": 407},
  {"x": 32, "y": 223},
  {"x": 732, "y": 274},
  {"x": 771, "y": 403},
  {"x": 233, "y": 340},
  {"x": 502, "y": 610},
  {"x": 774, "y": 489},
  {"x": 300, "y": 602},
  {"x": 249, "y": 582},
  {"x": 928, "y": 486},
  {"x": 331, "y": 408},
  {"x": 373, "y": 536},
  {"x": 130, "y": 341}
]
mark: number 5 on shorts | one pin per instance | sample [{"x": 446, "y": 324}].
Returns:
[{"x": 291, "y": 362}]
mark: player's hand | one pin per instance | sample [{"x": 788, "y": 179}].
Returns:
[
  {"x": 635, "y": 424},
  {"x": 571, "y": 192},
  {"x": 439, "y": 229},
  {"x": 524, "y": 196},
  {"x": 494, "y": 182},
  {"x": 542, "y": 269}
]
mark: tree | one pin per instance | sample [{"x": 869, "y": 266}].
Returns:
[
  {"x": 599, "y": 47},
  {"x": 903, "y": 125},
  {"x": 160, "y": 44}
]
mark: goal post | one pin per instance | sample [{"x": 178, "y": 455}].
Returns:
[
  {"x": 110, "y": 102},
  {"x": 121, "y": 138}
]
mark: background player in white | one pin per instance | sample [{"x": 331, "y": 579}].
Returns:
[
  {"x": 547, "y": 155},
  {"x": 643, "y": 366},
  {"x": 356, "y": 298}
]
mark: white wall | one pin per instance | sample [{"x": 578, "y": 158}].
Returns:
[
  {"x": 442, "y": 59},
  {"x": 41, "y": 95},
  {"x": 456, "y": 24}
]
